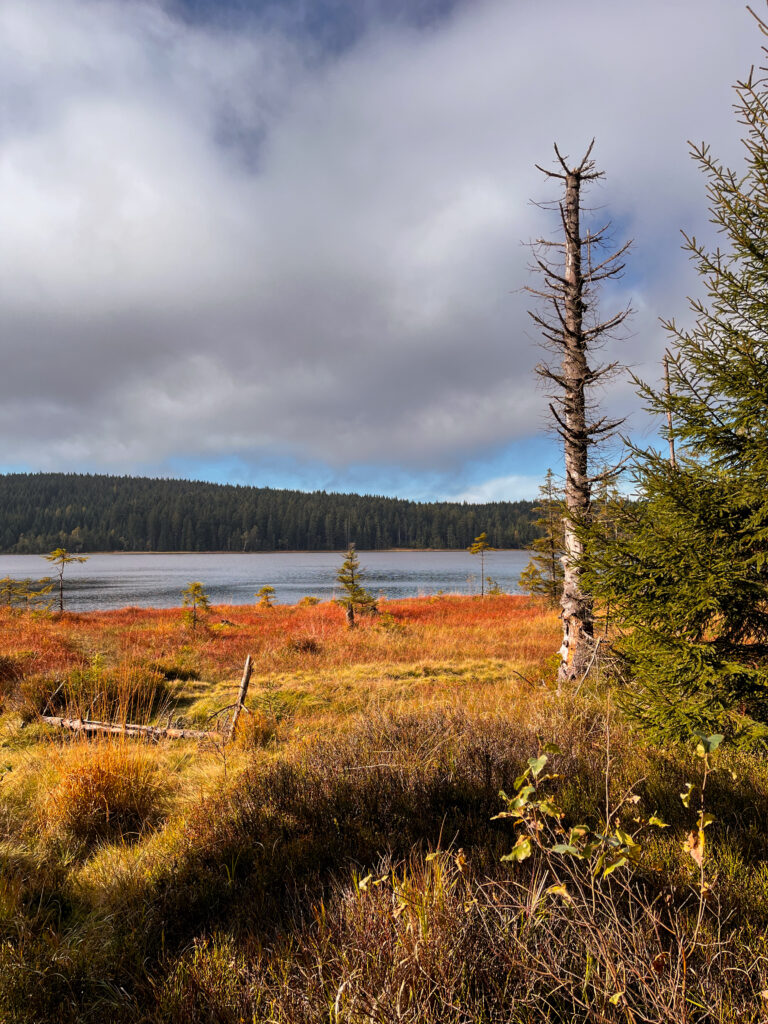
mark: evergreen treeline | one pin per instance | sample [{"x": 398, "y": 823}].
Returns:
[{"x": 83, "y": 512}]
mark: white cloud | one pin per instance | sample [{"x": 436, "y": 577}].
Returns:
[
  {"x": 502, "y": 488},
  {"x": 213, "y": 244}
]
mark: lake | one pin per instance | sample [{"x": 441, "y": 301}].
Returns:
[{"x": 156, "y": 580}]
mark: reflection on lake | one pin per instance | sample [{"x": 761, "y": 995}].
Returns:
[{"x": 156, "y": 580}]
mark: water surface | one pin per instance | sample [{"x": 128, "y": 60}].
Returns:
[{"x": 157, "y": 579}]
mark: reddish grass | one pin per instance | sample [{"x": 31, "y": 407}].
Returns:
[{"x": 284, "y": 637}]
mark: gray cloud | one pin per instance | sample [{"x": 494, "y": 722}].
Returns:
[{"x": 215, "y": 244}]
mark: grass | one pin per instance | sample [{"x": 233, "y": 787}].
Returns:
[{"x": 341, "y": 860}]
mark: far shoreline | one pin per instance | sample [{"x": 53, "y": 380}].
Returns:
[{"x": 280, "y": 551}]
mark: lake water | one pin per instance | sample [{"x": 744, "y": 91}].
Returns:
[{"x": 156, "y": 580}]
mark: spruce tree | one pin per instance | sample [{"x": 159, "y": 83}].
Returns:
[
  {"x": 544, "y": 573},
  {"x": 196, "y": 601},
  {"x": 355, "y": 595},
  {"x": 687, "y": 569},
  {"x": 480, "y": 546}
]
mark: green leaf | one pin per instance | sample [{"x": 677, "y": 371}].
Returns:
[
  {"x": 519, "y": 852},
  {"x": 706, "y": 819},
  {"x": 653, "y": 820},
  {"x": 536, "y": 764},
  {"x": 522, "y": 796},
  {"x": 551, "y": 748},
  {"x": 548, "y": 808},
  {"x": 631, "y": 848},
  {"x": 614, "y": 863},
  {"x": 708, "y": 744},
  {"x": 574, "y": 851},
  {"x": 616, "y": 998},
  {"x": 685, "y": 796}
]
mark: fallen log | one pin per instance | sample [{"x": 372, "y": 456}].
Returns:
[
  {"x": 157, "y": 732},
  {"x": 88, "y": 726}
]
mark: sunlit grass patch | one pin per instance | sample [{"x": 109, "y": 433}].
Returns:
[{"x": 102, "y": 790}]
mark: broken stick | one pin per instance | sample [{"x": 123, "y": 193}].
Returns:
[{"x": 247, "y": 669}]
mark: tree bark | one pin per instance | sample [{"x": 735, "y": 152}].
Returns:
[{"x": 576, "y": 606}]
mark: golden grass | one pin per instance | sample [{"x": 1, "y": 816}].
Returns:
[
  {"x": 102, "y": 790},
  {"x": 202, "y": 881},
  {"x": 309, "y": 669}
]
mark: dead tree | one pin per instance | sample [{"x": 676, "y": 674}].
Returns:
[{"x": 569, "y": 324}]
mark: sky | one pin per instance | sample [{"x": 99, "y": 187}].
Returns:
[{"x": 284, "y": 242}]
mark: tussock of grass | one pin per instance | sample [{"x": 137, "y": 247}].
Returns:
[{"x": 103, "y": 790}]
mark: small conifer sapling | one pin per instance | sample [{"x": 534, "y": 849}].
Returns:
[
  {"x": 60, "y": 558},
  {"x": 355, "y": 596},
  {"x": 480, "y": 546},
  {"x": 196, "y": 601}
]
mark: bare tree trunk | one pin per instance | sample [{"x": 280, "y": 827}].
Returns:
[
  {"x": 576, "y": 605},
  {"x": 570, "y": 279},
  {"x": 350, "y": 610}
]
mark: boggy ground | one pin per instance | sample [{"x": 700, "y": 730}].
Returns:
[{"x": 342, "y": 859}]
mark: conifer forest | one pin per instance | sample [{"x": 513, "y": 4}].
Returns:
[{"x": 80, "y": 512}]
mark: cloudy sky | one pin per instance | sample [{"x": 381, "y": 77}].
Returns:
[{"x": 282, "y": 241}]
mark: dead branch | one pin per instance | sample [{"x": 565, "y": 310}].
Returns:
[{"x": 90, "y": 727}]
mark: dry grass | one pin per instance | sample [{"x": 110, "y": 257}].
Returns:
[
  {"x": 311, "y": 870},
  {"x": 102, "y": 790},
  {"x": 286, "y": 637}
]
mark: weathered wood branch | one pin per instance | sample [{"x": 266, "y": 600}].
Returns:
[
  {"x": 247, "y": 669},
  {"x": 91, "y": 727}
]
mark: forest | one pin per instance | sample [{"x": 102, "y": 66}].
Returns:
[{"x": 84, "y": 512}]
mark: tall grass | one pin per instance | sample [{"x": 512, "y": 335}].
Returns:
[{"x": 108, "y": 789}]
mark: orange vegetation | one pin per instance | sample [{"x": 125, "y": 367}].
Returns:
[{"x": 284, "y": 637}]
